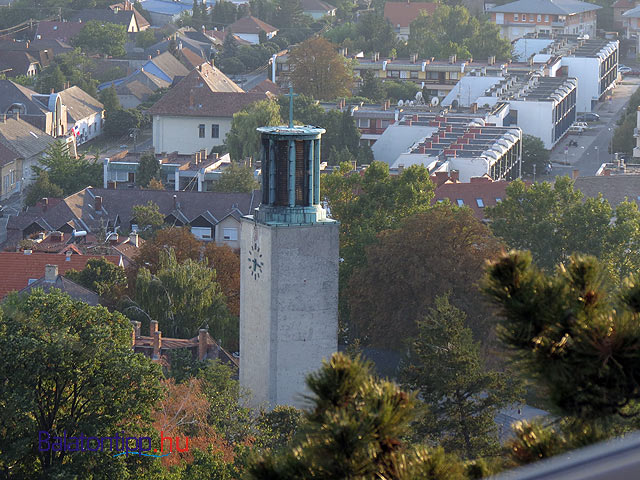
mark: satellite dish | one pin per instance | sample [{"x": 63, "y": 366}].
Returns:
[
  {"x": 435, "y": 101},
  {"x": 411, "y": 103},
  {"x": 418, "y": 95},
  {"x": 400, "y": 103},
  {"x": 406, "y": 102}
]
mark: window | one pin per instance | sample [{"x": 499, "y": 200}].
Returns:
[
  {"x": 201, "y": 130},
  {"x": 539, "y": 18},
  {"x": 32, "y": 280},
  {"x": 215, "y": 131},
  {"x": 364, "y": 123},
  {"x": 394, "y": 73},
  {"x": 384, "y": 123},
  {"x": 460, "y": 202},
  {"x": 524, "y": 17},
  {"x": 453, "y": 75},
  {"x": 515, "y": 17},
  {"x": 498, "y": 199},
  {"x": 414, "y": 74},
  {"x": 404, "y": 74},
  {"x": 432, "y": 75},
  {"x": 203, "y": 233},
  {"x": 480, "y": 203},
  {"x": 230, "y": 233},
  {"x": 546, "y": 18}
]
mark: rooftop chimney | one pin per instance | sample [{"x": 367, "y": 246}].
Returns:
[
  {"x": 202, "y": 343},
  {"x": 57, "y": 237},
  {"x": 153, "y": 327},
  {"x": 50, "y": 273},
  {"x": 98, "y": 203},
  {"x": 454, "y": 175},
  {"x": 574, "y": 174},
  {"x": 157, "y": 344},
  {"x": 133, "y": 239},
  {"x": 113, "y": 239},
  {"x": 68, "y": 256},
  {"x": 175, "y": 202}
]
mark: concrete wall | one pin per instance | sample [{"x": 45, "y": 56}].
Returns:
[
  {"x": 90, "y": 127},
  {"x": 289, "y": 313},
  {"x": 587, "y": 71},
  {"x": 229, "y": 222},
  {"x": 536, "y": 118},
  {"x": 171, "y": 134}
]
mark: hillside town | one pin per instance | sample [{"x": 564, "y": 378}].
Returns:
[{"x": 309, "y": 239}]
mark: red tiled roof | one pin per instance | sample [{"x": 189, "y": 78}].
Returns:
[
  {"x": 17, "y": 268},
  {"x": 483, "y": 188},
  {"x": 400, "y": 13},
  {"x": 266, "y": 86},
  {"x": 251, "y": 24}
]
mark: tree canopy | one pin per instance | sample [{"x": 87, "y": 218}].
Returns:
[
  {"x": 319, "y": 71},
  {"x": 534, "y": 153},
  {"x": 236, "y": 178},
  {"x": 105, "y": 38},
  {"x": 243, "y": 140},
  {"x": 68, "y": 367},
  {"x": 103, "y": 277},
  {"x": 148, "y": 169}
]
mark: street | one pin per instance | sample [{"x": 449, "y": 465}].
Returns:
[{"x": 593, "y": 145}]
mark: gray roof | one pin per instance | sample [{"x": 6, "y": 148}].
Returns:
[
  {"x": 549, "y": 7},
  {"x": 121, "y": 17},
  {"x": 170, "y": 65},
  {"x": 11, "y": 93},
  {"x": 614, "y": 188},
  {"x": 79, "y": 104},
  {"x": 633, "y": 13},
  {"x": 23, "y": 138},
  {"x": 75, "y": 291}
]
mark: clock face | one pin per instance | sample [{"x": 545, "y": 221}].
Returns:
[{"x": 255, "y": 261}]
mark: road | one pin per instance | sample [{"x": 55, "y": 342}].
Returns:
[{"x": 593, "y": 145}]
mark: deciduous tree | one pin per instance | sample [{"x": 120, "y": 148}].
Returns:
[
  {"x": 42, "y": 188},
  {"x": 319, "y": 71},
  {"x": 226, "y": 263},
  {"x": 147, "y": 217},
  {"x": 103, "y": 277},
  {"x": 109, "y": 98},
  {"x": 429, "y": 254},
  {"x": 534, "y": 153},
  {"x": 148, "y": 169},
  {"x": 243, "y": 140},
  {"x": 68, "y": 368},
  {"x": 104, "y": 38},
  {"x": 236, "y": 178}
]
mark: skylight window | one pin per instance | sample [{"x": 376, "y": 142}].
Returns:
[{"x": 480, "y": 203}]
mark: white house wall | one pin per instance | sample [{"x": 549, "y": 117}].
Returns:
[
  {"x": 535, "y": 118},
  {"x": 587, "y": 71},
  {"x": 181, "y": 134}
]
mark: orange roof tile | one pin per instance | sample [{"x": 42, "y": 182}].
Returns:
[
  {"x": 403, "y": 14},
  {"x": 17, "y": 267},
  {"x": 483, "y": 188}
]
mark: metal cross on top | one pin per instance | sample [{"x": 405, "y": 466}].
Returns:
[{"x": 291, "y": 95}]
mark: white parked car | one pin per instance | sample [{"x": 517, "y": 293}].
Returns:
[
  {"x": 584, "y": 125},
  {"x": 576, "y": 129},
  {"x": 623, "y": 69}
]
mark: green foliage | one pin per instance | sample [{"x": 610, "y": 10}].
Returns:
[
  {"x": 145, "y": 39},
  {"x": 148, "y": 218},
  {"x": 243, "y": 140},
  {"x": 109, "y": 99},
  {"x": 395, "y": 91},
  {"x": 107, "y": 39},
  {"x": 556, "y": 221},
  {"x": 76, "y": 69},
  {"x": 183, "y": 297},
  {"x": 69, "y": 173},
  {"x": 223, "y": 13},
  {"x": 372, "y": 87},
  {"x": 454, "y": 31},
  {"x": 148, "y": 169},
  {"x": 103, "y": 277},
  {"x": 534, "y": 153},
  {"x": 355, "y": 429},
  {"x": 572, "y": 335},
  {"x": 371, "y": 33},
  {"x": 42, "y": 188},
  {"x": 121, "y": 121},
  {"x": 367, "y": 204},
  {"x": 69, "y": 367},
  {"x": 236, "y": 178},
  {"x": 462, "y": 398},
  {"x": 623, "y": 140},
  {"x": 279, "y": 426}
]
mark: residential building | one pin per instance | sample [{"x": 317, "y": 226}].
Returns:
[
  {"x": 28, "y": 267},
  {"x": 166, "y": 11},
  {"x": 24, "y": 146},
  {"x": 544, "y": 107},
  {"x": 477, "y": 194},
  {"x": 468, "y": 143},
  {"x": 373, "y": 120},
  {"x": 126, "y": 18},
  {"x": 631, "y": 25},
  {"x": 196, "y": 114},
  {"x": 317, "y": 9},
  {"x": 636, "y": 134},
  {"x": 55, "y": 30},
  {"x": 619, "y": 7},
  {"x": 522, "y": 17},
  {"x": 401, "y": 14},
  {"x": 52, "y": 279},
  {"x": 85, "y": 114},
  {"x": 126, "y": 6},
  {"x": 45, "y": 112},
  {"x": 196, "y": 172},
  {"x": 210, "y": 216},
  {"x": 14, "y": 63},
  {"x": 249, "y": 28},
  {"x": 43, "y": 50},
  {"x": 616, "y": 183},
  {"x": 155, "y": 346},
  {"x": 158, "y": 72}
]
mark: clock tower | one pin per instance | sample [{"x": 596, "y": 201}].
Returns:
[{"x": 288, "y": 272}]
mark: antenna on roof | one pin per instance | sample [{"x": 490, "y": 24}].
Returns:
[{"x": 291, "y": 95}]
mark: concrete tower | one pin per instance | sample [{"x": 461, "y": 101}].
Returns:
[{"x": 288, "y": 272}]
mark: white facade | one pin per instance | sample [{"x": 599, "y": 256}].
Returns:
[
  {"x": 183, "y": 134},
  {"x": 288, "y": 307},
  {"x": 636, "y": 150},
  {"x": 88, "y": 128}
]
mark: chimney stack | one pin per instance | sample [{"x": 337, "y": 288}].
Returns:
[
  {"x": 98, "y": 203},
  {"x": 157, "y": 344},
  {"x": 133, "y": 239},
  {"x": 202, "y": 343},
  {"x": 136, "y": 328},
  {"x": 68, "y": 256},
  {"x": 454, "y": 175},
  {"x": 153, "y": 328},
  {"x": 50, "y": 273},
  {"x": 575, "y": 174}
]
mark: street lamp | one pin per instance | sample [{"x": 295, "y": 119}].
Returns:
[{"x": 597, "y": 156}]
